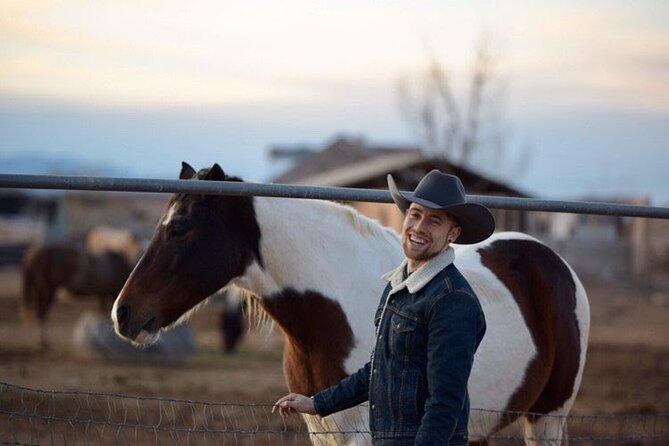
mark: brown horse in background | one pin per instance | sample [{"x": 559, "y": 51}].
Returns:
[{"x": 47, "y": 268}]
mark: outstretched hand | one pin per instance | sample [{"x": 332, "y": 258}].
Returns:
[{"x": 294, "y": 402}]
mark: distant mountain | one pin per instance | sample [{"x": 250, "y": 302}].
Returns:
[{"x": 36, "y": 163}]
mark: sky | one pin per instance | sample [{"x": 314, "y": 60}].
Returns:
[{"x": 142, "y": 85}]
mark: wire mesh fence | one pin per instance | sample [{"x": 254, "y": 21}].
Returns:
[{"x": 35, "y": 417}]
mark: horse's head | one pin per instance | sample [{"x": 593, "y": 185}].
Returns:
[{"x": 200, "y": 243}]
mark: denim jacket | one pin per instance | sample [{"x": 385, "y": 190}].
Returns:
[{"x": 416, "y": 381}]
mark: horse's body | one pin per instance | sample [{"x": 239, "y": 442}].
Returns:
[
  {"x": 316, "y": 269},
  {"x": 47, "y": 268}
]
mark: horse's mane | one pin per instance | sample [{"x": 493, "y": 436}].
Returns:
[
  {"x": 366, "y": 225},
  {"x": 359, "y": 222}
]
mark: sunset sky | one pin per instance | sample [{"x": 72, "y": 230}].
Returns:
[{"x": 144, "y": 84}]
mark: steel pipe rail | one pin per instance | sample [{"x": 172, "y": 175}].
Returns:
[{"x": 22, "y": 181}]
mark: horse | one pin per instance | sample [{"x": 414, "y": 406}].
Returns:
[
  {"x": 315, "y": 268},
  {"x": 47, "y": 268}
]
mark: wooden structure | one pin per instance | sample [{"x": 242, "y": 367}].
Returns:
[{"x": 354, "y": 163}]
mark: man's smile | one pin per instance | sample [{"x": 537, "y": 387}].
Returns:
[{"x": 417, "y": 240}]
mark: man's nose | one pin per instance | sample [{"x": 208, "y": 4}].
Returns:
[{"x": 420, "y": 224}]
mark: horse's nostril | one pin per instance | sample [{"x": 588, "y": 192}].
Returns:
[{"x": 122, "y": 314}]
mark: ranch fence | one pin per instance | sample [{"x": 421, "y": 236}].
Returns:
[
  {"x": 22, "y": 181},
  {"x": 32, "y": 416}
]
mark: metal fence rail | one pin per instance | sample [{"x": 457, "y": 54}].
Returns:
[{"x": 20, "y": 181}]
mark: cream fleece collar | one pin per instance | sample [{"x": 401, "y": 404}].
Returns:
[{"x": 422, "y": 276}]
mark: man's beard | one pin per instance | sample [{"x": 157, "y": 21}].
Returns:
[{"x": 422, "y": 255}]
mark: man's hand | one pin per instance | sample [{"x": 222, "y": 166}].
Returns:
[{"x": 294, "y": 402}]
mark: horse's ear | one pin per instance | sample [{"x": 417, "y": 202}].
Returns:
[
  {"x": 215, "y": 173},
  {"x": 187, "y": 172}
]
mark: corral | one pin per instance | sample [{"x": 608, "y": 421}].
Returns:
[{"x": 625, "y": 377}]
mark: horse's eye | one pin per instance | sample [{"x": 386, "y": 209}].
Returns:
[{"x": 177, "y": 231}]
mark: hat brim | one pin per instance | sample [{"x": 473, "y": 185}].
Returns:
[{"x": 476, "y": 221}]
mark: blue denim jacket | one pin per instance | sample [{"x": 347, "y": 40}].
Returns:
[{"x": 416, "y": 382}]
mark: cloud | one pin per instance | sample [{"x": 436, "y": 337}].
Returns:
[{"x": 214, "y": 52}]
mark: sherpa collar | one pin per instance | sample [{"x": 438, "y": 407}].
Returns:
[{"x": 422, "y": 276}]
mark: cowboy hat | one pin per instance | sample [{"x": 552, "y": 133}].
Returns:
[{"x": 438, "y": 190}]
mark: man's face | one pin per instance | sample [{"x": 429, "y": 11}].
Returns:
[{"x": 426, "y": 233}]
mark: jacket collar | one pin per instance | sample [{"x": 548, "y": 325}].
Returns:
[{"x": 422, "y": 276}]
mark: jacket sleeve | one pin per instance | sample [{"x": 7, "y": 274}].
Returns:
[
  {"x": 350, "y": 391},
  {"x": 453, "y": 336}
]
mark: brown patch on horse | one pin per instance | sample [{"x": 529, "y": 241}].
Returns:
[
  {"x": 546, "y": 297},
  {"x": 319, "y": 338}
]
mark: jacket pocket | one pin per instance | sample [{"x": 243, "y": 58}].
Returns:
[{"x": 402, "y": 330}]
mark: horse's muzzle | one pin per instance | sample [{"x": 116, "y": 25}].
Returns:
[{"x": 124, "y": 326}]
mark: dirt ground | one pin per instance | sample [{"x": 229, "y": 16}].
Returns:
[{"x": 627, "y": 370}]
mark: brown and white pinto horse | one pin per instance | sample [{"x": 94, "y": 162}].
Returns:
[
  {"x": 316, "y": 268},
  {"x": 48, "y": 268}
]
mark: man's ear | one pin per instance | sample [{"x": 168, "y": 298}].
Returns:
[{"x": 454, "y": 233}]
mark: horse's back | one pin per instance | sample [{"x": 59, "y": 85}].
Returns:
[
  {"x": 538, "y": 323},
  {"x": 102, "y": 275}
]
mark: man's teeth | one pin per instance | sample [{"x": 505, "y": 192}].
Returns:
[{"x": 417, "y": 240}]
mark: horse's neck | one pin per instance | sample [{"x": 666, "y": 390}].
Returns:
[
  {"x": 320, "y": 276},
  {"x": 307, "y": 244}
]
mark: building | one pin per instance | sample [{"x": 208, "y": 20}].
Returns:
[{"x": 352, "y": 162}]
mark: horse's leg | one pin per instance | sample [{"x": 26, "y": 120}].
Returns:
[
  {"x": 548, "y": 430},
  {"x": 231, "y": 324},
  {"x": 44, "y": 344},
  {"x": 46, "y": 298}
]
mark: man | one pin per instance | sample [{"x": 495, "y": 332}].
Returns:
[{"x": 428, "y": 326}]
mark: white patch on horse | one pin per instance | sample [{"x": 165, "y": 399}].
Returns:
[{"x": 169, "y": 215}]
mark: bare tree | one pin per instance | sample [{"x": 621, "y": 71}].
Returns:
[{"x": 466, "y": 131}]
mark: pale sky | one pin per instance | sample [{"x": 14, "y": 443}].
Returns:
[{"x": 152, "y": 82}]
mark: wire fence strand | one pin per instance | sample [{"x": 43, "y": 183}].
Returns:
[{"x": 32, "y": 416}]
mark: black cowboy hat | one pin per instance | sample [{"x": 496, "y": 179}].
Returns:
[{"x": 438, "y": 190}]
